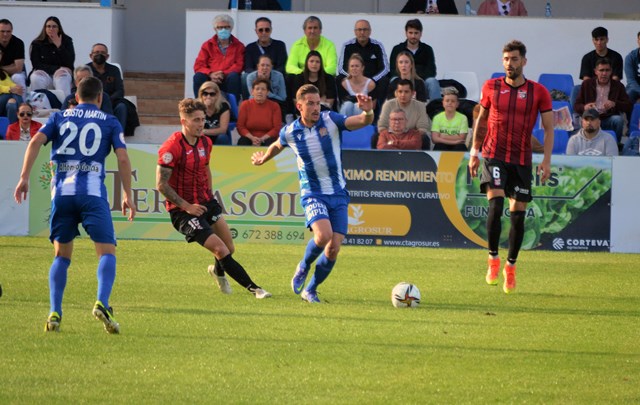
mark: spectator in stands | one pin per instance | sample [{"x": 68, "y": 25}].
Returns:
[
  {"x": 376, "y": 64},
  {"x": 450, "y": 128},
  {"x": 278, "y": 90},
  {"x": 111, "y": 78},
  {"x": 502, "y": 7},
  {"x": 600, "y": 38},
  {"x": 423, "y": 56},
  {"x": 416, "y": 114},
  {"x": 217, "y": 114},
  {"x": 259, "y": 5},
  {"x": 430, "y": 7},
  {"x": 52, "y": 57},
  {"x": 607, "y": 96},
  {"x": 312, "y": 41},
  {"x": 397, "y": 136},
  {"x": 265, "y": 45},
  {"x": 314, "y": 73},
  {"x": 260, "y": 119},
  {"x": 631, "y": 72},
  {"x": 10, "y": 95},
  {"x": 12, "y": 49},
  {"x": 355, "y": 83},
  {"x": 591, "y": 140},
  {"x": 25, "y": 128},
  {"x": 221, "y": 58},
  {"x": 80, "y": 73},
  {"x": 406, "y": 69}
]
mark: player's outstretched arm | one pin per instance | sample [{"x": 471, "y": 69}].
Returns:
[
  {"x": 365, "y": 103},
  {"x": 39, "y": 139},
  {"x": 124, "y": 168},
  {"x": 163, "y": 174},
  {"x": 260, "y": 157}
]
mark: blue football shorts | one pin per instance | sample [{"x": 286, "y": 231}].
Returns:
[
  {"x": 92, "y": 212},
  {"x": 335, "y": 208}
]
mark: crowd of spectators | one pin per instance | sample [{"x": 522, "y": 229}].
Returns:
[{"x": 405, "y": 80}]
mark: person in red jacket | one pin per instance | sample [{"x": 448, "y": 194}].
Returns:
[
  {"x": 220, "y": 59},
  {"x": 25, "y": 128}
]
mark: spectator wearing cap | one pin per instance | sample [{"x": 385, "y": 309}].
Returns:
[{"x": 591, "y": 140}]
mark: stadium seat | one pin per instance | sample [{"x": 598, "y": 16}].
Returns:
[
  {"x": 634, "y": 134},
  {"x": 560, "y": 140},
  {"x": 495, "y": 75},
  {"x": 557, "y": 81},
  {"x": 358, "y": 139},
  {"x": 610, "y": 132},
  {"x": 634, "y": 121},
  {"x": 4, "y": 123},
  {"x": 469, "y": 80}
]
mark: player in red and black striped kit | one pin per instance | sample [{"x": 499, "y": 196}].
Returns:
[
  {"x": 183, "y": 176},
  {"x": 509, "y": 107}
]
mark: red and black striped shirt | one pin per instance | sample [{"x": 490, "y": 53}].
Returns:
[
  {"x": 512, "y": 114},
  {"x": 190, "y": 164}
]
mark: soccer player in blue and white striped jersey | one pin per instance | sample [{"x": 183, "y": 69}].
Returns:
[
  {"x": 81, "y": 139},
  {"x": 316, "y": 140}
]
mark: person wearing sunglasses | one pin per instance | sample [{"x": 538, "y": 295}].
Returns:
[
  {"x": 503, "y": 7},
  {"x": 217, "y": 114},
  {"x": 265, "y": 45},
  {"x": 25, "y": 128}
]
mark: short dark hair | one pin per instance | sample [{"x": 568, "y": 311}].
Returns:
[
  {"x": 190, "y": 105},
  {"x": 5, "y": 21},
  {"x": 415, "y": 24},
  {"x": 602, "y": 61},
  {"x": 405, "y": 82},
  {"x": 515, "y": 45},
  {"x": 259, "y": 81},
  {"x": 89, "y": 89},
  {"x": 306, "y": 89},
  {"x": 265, "y": 19},
  {"x": 599, "y": 32}
]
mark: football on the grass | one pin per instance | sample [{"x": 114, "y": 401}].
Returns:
[{"x": 405, "y": 295}]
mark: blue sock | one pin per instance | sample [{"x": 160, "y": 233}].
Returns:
[
  {"x": 57, "y": 282},
  {"x": 323, "y": 268},
  {"x": 310, "y": 254},
  {"x": 106, "y": 278}
]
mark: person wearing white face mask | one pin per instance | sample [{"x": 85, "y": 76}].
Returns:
[{"x": 220, "y": 59}]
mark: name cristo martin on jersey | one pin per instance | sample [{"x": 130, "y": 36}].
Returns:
[{"x": 80, "y": 113}]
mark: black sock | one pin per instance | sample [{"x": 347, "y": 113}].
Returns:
[
  {"x": 217, "y": 269},
  {"x": 237, "y": 272},
  {"x": 516, "y": 235},
  {"x": 494, "y": 224}
]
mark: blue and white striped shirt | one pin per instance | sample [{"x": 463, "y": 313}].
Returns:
[
  {"x": 318, "y": 153},
  {"x": 81, "y": 138}
]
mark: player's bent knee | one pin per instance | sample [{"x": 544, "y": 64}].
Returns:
[
  {"x": 216, "y": 246},
  {"x": 322, "y": 238}
]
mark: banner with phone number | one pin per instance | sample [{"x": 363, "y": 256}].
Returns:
[{"x": 417, "y": 199}]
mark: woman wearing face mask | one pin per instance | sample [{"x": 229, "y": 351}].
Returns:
[
  {"x": 218, "y": 114},
  {"x": 406, "y": 68},
  {"x": 220, "y": 59},
  {"x": 52, "y": 56},
  {"x": 259, "y": 120},
  {"x": 25, "y": 128}
]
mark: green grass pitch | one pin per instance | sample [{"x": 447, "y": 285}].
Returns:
[{"x": 570, "y": 334}]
